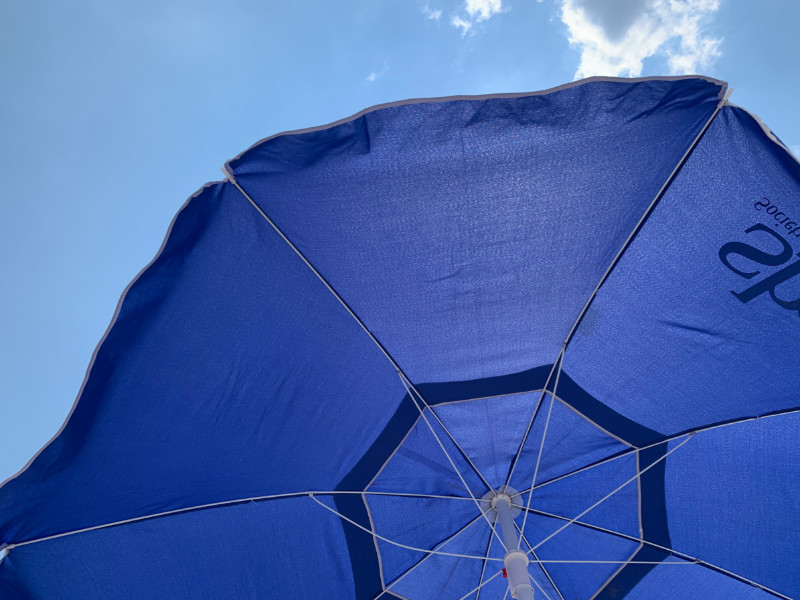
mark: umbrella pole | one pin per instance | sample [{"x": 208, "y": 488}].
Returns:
[{"x": 516, "y": 561}]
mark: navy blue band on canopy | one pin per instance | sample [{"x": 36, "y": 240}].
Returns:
[{"x": 361, "y": 546}]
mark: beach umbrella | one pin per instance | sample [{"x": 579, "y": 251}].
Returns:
[{"x": 539, "y": 345}]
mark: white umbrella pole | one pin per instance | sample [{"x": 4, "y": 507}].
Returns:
[{"x": 516, "y": 561}]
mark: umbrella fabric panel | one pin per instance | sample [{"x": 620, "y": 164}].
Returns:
[
  {"x": 695, "y": 323},
  {"x": 576, "y": 581},
  {"x": 445, "y": 577},
  {"x": 687, "y": 580},
  {"x": 733, "y": 500},
  {"x": 452, "y": 228},
  {"x": 571, "y": 496},
  {"x": 434, "y": 521},
  {"x": 252, "y": 550},
  {"x": 223, "y": 349},
  {"x": 489, "y": 431},
  {"x": 422, "y": 465},
  {"x": 571, "y": 442}
]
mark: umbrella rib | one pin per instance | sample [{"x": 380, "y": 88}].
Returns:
[
  {"x": 506, "y": 395},
  {"x": 541, "y": 450},
  {"x": 607, "y": 496},
  {"x": 407, "y": 385},
  {"x": 639, "y": 495},
  {"x": 778, "y": 413},
  {"x": 167, "y": 513},
  {"x": 400, "y": 494},
  {"x": 599, "y": 463},
  {"x": 224, "y": 504},
  {"x": 230, "y": 177},
  {"x": 430, "y": 553},
  {"x": 619, "y": 534},
  {"x": 644, "y": 217},
  {"x": 622, "y": 566},
  {"x": 557, "y": 364},
  {"x": 641, "y": 531},
  {"x": 740, "y": 578},
  {"x": 392, "y": 542},
  {"x": 378, "y": 555},
  {"x": 392, "y": 455}
]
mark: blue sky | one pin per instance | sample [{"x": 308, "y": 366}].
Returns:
[{"x": 113, "y": 113}]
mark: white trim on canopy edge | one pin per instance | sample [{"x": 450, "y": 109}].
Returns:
[{"x": 479, "y": 97}]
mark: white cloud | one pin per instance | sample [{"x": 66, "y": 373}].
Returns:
[
  {"x": 462, "y": 24},
  {"x": 375, "y": 75},
  {"x": 615, "y": 36},
  {"x": 432, "y": 14},
  {"x": 475, "y": 12},
  {"x": 484, "y": 9}
]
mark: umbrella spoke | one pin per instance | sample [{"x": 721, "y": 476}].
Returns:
[
  {"x": 406, "y": 384},
  {"x": 617, "y": 489},
  {"x": 541, "y": 449},
  {"x": 689, "y": 559},
  {"x": 230, "y": 177},
  {"x": 410, "y": 388},
  {"x": 514, "y": 461},
  {"x": 609, "y": 459},
  {"x": 398, "y": 494},
  {"x": 539, "y": 562},
  {"x": 599, "y": 528},
  {"x": 599, "y": 463},
  {"x": 780, "y": 413},
  {"x": 483, "y": 569},
  {"x": 473, "y": 590},
  {"x": 392, "y": 542},
  {"x": 428, "y": 555},
  {"x": 541, "y": 589}
]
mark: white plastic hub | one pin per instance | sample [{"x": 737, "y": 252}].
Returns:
[{"x": 490, "y": 498}]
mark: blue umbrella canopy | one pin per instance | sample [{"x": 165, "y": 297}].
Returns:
[{"x": 533, "y": 345}]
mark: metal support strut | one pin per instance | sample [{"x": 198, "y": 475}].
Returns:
[{"x": 516, "y": 561}]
